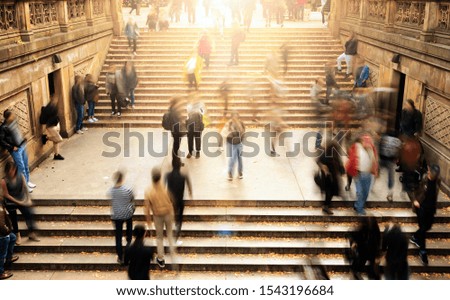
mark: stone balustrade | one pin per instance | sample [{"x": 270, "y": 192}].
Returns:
[
  {"x": 23, "y": 21},
  {"x": 425, "y": 19}
]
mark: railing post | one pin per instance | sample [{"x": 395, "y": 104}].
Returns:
[
  {"x": 23, "y": 13},
  {"x": 431, "y": 21},
  {"x": 63, "y": 16},
  {"x": 89, "y": 12},
  {"x": 390, "y": 16}
]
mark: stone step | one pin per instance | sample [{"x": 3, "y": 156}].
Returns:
[
  {"x": 211, "y": 262},
  {"x": 397, "y": 203},
  {"x": 238, "y": 214},
  {"x": 216, "y": 245},
  {"x": 265, "y": 229}
]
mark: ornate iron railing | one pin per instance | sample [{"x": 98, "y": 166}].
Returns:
[
  {"x": 8, "y": 16},
  {"x": 76, "y": 9},
  {"x": 43, "y": 13},
  {"x": 410, "y": 13}
]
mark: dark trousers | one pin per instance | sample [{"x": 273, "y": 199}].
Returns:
[
  {"x": 119, "y": 232},
  {"x": 425, "y": 220},
  {"x": 115, "y": 99},
  {"x": 179, "y": 211},
  {"x": 396, "y": 271},
  {"x": 132, "y": 43},
  {"x": 194, "y": 135},
  {"x": 176, "y": 143},
  {"x": 328, "y": 197},
  {"x": 27, "y": 213}
]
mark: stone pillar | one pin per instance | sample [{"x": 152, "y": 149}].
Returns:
[
  {"x": 364, "y": 12},
  {"x": 431, "y": 21},
  {"x": 116, "y": 14},
  {"x": 64, "y": 82},
  {"x": 89, "y": 12},
  {"x": 107, "y": 10},
  {"x": 391, "y": 8},
  {"x": 23, "y": 13},
  {"x": 336, "y": 15},
  {"x": 63, "y": 16}
]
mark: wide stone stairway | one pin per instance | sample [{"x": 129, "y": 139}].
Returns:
[
  {"x": 225, "y": 239},
  {"x": 221, "y": 239},
  {"x": 161, "y": 57}
]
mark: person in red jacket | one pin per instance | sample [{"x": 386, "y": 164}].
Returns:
[
  {"x": 205, "y": 47},
  {"x": 363, "y": 165}
]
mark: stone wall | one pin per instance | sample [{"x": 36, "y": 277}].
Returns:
[
  {"x": 419, "y": 32},
  {"x": 31, "y": 35}
]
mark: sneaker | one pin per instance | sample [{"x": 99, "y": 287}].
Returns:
[
  {"x": 120, "y": 261},
  {"x": 197, "y": 155},
  {"x": 5, "y": 275},
  {"x": 241, "y": 176},
  {"x": 132, "y": 106},
  {"x": 134, "y": 53},
  {"x": 338, "y": 70},
  {"x": 230, "y": 177},
  {"x": 31, "y": 185},
  {"x": 119, "y": 114},
  {"x": 79, "y": 131},
  {"x": 8, "y": 262},
  {"x": 274, "y": 154},
  {"x": 413, "y": 241},
  {"x": 327, "y": 210},
  {"x": 161, "y": 262},
  {"x": 423, "y": 257},
  {"x": 91, "y": 120},
  {"x": 58, "y": 157},
  {"x": 95, "y": 119},
  {"x": 113, "y": 113},
  {"x": 390, "y": 198},
  {"x": 179, "y": 243},
  {"x": 189, "y": 156},
  {"x": 84, "y": 129}
]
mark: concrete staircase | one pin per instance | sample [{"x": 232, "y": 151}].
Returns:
[
  {"x": 161, "y": 57},
  {"x": 261, "y": 239}
]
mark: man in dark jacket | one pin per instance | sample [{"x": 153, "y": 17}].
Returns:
[
  {"x": 395, "y": 247},
  {"x": 177, "y": 110},
  {"x": 425, "y": 205},
  {"x": 11, "y": 139},
  {"x": 176, "y": 183},
  {"x": 7, "y": 243},
  {"x": 195, "y": 127},
  {"x": 411, "y": 120},
  {"x": 49, "y": 115},
  {"x": 139, "y": 256},
  {"x": 350, "y": 49},
  {"x": 79, "y": 101}
]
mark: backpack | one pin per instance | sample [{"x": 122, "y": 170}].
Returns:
[
  {"x": 167, "y": 121},
  {"x": 123, "y": 102}
]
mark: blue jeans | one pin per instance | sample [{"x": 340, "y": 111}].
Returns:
[
  {"x": 21, "y": 159},
  {"x": 363, "y": 181},
  {"x": 80, "y": 116},
  {"x": 390, "y": 166},
  {"x": 236, "y": 155},
  {"x": 91, "y": 107},
  {"x": 6, "y": 249},
  {"x": 132, "y": 96}
]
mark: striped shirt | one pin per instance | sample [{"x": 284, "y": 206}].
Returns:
[{"x": 122, "y": 205}]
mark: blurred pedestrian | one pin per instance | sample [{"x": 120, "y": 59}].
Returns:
[
  {"x": 7, "y": 243},
  {"x": 362, "y": 164},
  {"x": 411, "y": 120},
  {"x": 330, "y": 81},
  {"x": 91, "y": 96},
  {"x": 139, "y": 256},
  {"x": 11, "y": 139},
  {"x": 350, "y": 50},
  {"x": 326, "y": 8},
  {"x": 79, "y": 101},
  {"x": 389, "y": 151},
  {"x": 249, "y": 6},
  {"x": 237, "y": 37},
  {"x": 191, "y": 6},
  {"x": 177, "y": 119},
  {"x": 158, "y": 208},
  {"x": 152, "y": 19},
  {"x": 132, "y": 34},
  {"x": 195, "y": 127},
  {"x": 49, "y": 118},
  {"x": 362, "y": 74},
  {"x": 235, "y": 130},
  {"x": 192, "y": 70},
  {"x": 17, "y": 197},
  {"x": 131, "y": 80},
  {"x": 122, "y": 210},
  {"x": 395, "y": 249},
  {"x": 330, "y": 165},
  {"x": 205, "y": 47},
  {"x": 280, "y": 10},
  {"x": 425, "y": 205},
  {"x": 176, "y": 182},
  {"x": 365, "y": 244},
  {"x": 285, "y": 54},
  {"x": 224, "y": 90},
  {"x": 113, "y": 92}
]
